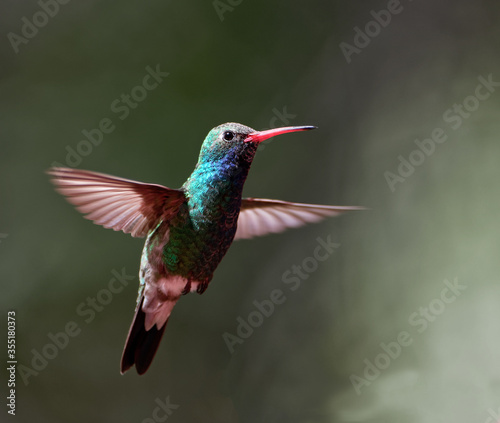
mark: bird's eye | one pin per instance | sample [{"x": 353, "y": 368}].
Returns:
[{"x": 228, "y": 136}]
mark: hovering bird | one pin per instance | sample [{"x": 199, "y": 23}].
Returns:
[{"x": 188, "y": 230}]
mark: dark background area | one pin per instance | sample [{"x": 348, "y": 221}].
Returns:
[{"x": 262, "y": 60}]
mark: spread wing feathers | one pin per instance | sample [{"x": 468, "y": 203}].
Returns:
[
  {"x": 259, "y": 216},
  {"x": 121, "y": 204}
]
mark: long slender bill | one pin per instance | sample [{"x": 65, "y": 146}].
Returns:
[{"x": 264, "y": 135}]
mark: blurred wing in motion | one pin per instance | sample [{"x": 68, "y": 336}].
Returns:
[
  {"x": 121, "y": 204},
  {"x": 259, "y": 216}
]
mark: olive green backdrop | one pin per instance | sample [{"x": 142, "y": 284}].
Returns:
[{"x": 399, "y": 323}]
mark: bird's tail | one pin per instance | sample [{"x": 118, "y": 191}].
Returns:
[{"x": 141, "y": 344}]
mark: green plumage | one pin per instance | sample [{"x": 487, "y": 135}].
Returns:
[
  {"x": 189, "y": 230},
  {"x": 201, "y": 233}
]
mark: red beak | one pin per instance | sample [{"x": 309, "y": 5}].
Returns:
[{"x": 264, "y": 135}]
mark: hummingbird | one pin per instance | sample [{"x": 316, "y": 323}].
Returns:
[{"x": 188, "y": 230}]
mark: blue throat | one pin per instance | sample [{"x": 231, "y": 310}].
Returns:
[{"x": 214, "y": 190}]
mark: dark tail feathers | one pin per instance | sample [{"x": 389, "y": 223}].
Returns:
[{"x": 141, "y": 345}]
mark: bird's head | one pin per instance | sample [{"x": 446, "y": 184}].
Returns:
[{"x": 235, "y": 141}]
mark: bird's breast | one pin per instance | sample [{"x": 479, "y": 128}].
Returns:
[
  {"x": 198, "y": 239},
  {"x": 204, "y": 228}
]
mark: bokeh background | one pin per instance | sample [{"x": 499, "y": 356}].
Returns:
[{"x": 264, "y": 64}]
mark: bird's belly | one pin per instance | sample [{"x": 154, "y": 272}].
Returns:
[{"x": 195, "y": 253}]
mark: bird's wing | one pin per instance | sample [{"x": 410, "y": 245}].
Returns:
[
  {"x": 259, "y": 216},
  {"x": 121, "y": 204}
]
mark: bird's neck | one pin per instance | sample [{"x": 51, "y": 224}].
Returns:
[{"x": 214, "y": 190}]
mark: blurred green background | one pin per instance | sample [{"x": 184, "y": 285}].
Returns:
[{"x": 265, "y": 64}]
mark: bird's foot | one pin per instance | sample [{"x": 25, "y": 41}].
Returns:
[
  {"x": 187, "y": 288},
  {"x": 202, "y": 286}
]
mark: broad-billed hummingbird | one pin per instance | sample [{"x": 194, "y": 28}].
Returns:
[{"x": 188, "y": 230}]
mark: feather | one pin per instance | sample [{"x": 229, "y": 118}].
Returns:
[
  {"x": 259, "y": 216},
  {"x": 117, "y": 203}
]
